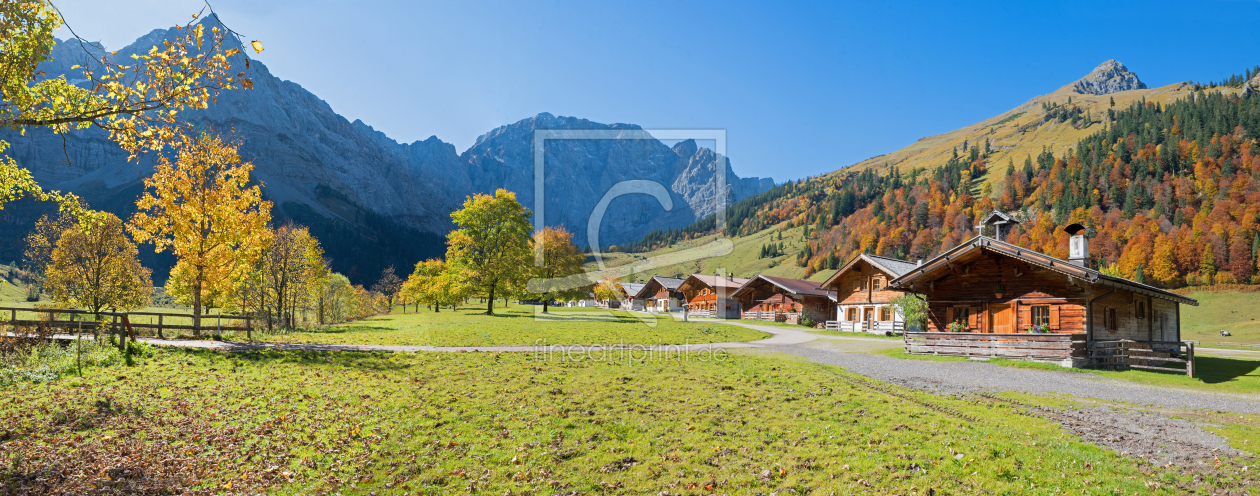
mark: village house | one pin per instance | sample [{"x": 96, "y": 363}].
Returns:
[
  {"x": 987, "y": 286},
  {"x": 661, "y": 295},
  {"x": 711, "y": 295},
  {"x": 780, "y": 299},
  {"x": 863, "y": 296},
  {"x": 630, "y": 296}
]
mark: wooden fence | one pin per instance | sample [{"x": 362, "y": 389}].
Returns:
[
  {"x": 872, "y": 327},
  {"x": 1124, "y": 354},
  {"x": 997, "y": 345},
  {"x": 70, "y": 320}
]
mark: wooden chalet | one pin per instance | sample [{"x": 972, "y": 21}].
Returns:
[
  {"x": 780, "y": 299},
  {"x": 862, "y": 295},
  {"x": 630, "y": 296},
  {"x": 710, "y": 296},
  {"x": 987, "y": 297},
  {"x": 661, "y": 295}
]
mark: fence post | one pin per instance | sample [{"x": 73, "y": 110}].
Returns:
[
  {"x": 1190, "y": 359},
  {"x": 160, "y": 327}
]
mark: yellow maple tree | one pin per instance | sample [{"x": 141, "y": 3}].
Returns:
[
  {"x": 94, "y": 266},
  {"x": 203, "y": 209}
]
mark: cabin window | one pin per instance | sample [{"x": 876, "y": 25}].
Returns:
[
  {"x": 885, "y": 314},
  {"x": 1141, "y": 310},
  {"x": 1040, "y": 315},
  {"x": 850, "y": 314},
  {"x": 862, "y": 285},
  {"x": 877, "y": 283},
  {"x": 1109, "y": 320},
  {"x": 962, "y": 314}
]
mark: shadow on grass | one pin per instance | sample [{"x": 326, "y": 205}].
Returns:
[{"x": 1214, "y": 370}]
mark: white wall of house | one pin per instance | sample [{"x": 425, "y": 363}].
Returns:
[
  {"x": 665, "y": 305},
  {"x": 869, "y": 314}
]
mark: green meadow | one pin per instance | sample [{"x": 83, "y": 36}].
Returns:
[
  {"x": 519, "y": 325},
  {"x": 524, "y": 423}
]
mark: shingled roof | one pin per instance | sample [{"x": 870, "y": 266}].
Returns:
[
  {"x": 891, "y": 266},
  {"x": 794, "y": 286},
  {"x": 1039, "y": 259},
  {"x": 668, "y": 283}
]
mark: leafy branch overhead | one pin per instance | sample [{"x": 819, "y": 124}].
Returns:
[{"x": 138, "y": 99}]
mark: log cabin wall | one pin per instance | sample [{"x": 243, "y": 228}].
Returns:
[
  {"x": 1165, "y": 320},
  {"x": 769, "y": 298},
  {"x": 1128, "y": 315},
  {"x": 969, "y": 291},
  {"x": 848, "y": 286}
]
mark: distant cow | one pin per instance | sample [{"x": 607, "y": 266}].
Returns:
[{"x": 1225, "y": 333}]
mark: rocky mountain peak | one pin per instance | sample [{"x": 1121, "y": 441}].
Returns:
[{"x": 1109, "y": 77}]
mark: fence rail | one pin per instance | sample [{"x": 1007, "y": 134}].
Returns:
[
  {"x": 1123, "y": 354},
  {"x": 871, "y": 327},
  {"x": 997, "y": 345},
  {"x": 72, "y": 320}
]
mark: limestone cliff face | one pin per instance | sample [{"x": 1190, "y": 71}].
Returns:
[
  {"x": 1109, "y": 77},
  {"x": 315, "y": 164}
]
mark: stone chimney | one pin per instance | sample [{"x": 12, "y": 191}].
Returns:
[{"x": 1078, "y": 244}]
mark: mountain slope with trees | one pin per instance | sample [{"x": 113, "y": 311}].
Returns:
[{"x": 1169, "y": 186}]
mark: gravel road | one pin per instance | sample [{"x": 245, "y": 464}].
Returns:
[{"x": 966, "y": 377}]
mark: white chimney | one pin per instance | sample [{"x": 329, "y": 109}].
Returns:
[{"x": 1078, "y": 244}]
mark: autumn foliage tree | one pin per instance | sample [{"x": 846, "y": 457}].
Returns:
[
  {"x": 434, "y": 283},
  {"x": 94, "y": 267},
  {"x": 42, "y": 240},
  {"x": 490, "y": 252},
  {"x": 202, "y": 208},
  {"x": 560, "y": 260},
  {"x": 388, "y": 284}
]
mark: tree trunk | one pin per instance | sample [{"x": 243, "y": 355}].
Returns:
[
  {"x": 437, "y": 308},
  {"x": 544, "y": 305},
  {"x": 490, "y": 302},
  {"x": 197, "y": 302}
]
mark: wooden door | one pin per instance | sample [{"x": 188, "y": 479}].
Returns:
[{"x": 1001, "y": 318}]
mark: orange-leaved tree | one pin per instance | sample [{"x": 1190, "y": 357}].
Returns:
[
  {"x": 560, "y": 259},
  {"x": 203, "y": 209}
]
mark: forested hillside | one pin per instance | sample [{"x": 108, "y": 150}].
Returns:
[{"x": 1170, "y": 190}]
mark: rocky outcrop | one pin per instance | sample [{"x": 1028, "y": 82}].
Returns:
[
  {"x": 320, "y": 168},
  {"x": 1109, "y": 77}
]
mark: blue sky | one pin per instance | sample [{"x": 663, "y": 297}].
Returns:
[{"x": 802, "y": 88}]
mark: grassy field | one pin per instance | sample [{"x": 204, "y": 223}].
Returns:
[
  {"x": 1226, "y": 375},
  {"x": 519, "y": 325},
  {"x": 521, "y": 423},
  {"x": 1232, "y": 311}
]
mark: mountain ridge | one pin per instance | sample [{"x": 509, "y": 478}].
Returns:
[{"x": 346, "y": 179}]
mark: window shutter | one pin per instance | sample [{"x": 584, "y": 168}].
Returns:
[
  {"x": 1025, "y": 316},
  {"x": 973, "y": 318},
  {"x": 1054, "y": 317},
  {"x": 949, "y": 316}
]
